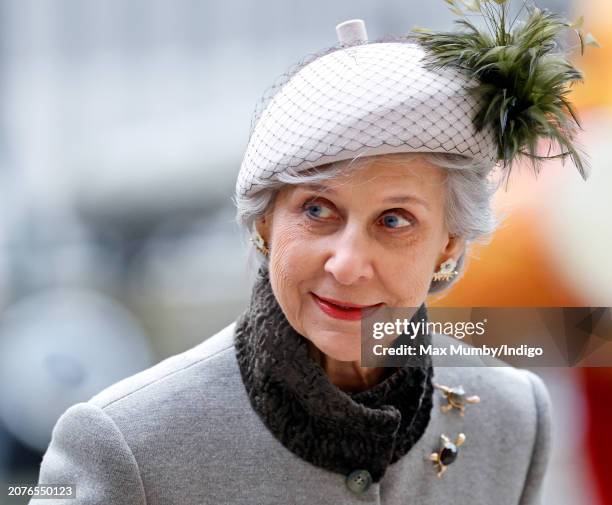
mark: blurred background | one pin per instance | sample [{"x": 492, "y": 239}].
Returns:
[{"x": 122, "y": 128}]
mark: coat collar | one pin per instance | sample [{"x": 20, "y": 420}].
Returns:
[{"x": 336, "y": 430}]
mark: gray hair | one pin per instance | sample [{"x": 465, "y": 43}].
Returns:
[{"x": 470, "y": 191}]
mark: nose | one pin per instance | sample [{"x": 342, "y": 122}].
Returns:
[{"x": 350, "y": 258}]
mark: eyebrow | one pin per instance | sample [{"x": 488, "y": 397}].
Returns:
[{"x": 391, "y": 199}]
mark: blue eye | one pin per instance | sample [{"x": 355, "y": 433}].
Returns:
[
  {"x": 317, "y": 210},
  {"x": 396, "y": 221}
]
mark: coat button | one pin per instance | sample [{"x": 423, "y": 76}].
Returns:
[{"x": 358, "y": 481}]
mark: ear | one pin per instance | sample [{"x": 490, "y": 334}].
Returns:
[
  {"x": 262, "y": 225},
  {"x": 453, "y": 248}
]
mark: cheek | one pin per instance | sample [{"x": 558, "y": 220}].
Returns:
[
  {"x": 408, "y": 275},
  {"x": 289, "y": 253},
  {"x": 411, "y": 286},
  {"x": 291, "y": 266},
  {"x": 292, "y": 236}
]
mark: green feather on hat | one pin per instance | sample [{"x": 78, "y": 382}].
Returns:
[{"x": 522, "y": 75}]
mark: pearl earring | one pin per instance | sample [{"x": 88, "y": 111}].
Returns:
[{"x": 446, "y": 271}]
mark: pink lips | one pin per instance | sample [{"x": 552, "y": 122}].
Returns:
[{"x": 342, "y": 310}]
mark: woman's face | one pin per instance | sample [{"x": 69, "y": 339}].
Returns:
[{"x": 375, "y": 235}]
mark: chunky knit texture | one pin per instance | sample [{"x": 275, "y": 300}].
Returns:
[{"x": 313, "y": 418}]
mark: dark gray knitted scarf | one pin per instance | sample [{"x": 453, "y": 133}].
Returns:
[{"x": 336, "y": 430}]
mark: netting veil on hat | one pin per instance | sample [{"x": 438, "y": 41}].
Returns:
[{"x": 363, "y": 99}]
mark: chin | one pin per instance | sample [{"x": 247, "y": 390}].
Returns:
[{"x": 339, "y": 346}]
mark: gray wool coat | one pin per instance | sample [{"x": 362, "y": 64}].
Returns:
[{"x": 183, "y": 432}]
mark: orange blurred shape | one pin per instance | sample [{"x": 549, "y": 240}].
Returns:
[
  {"x": 596, "y": 63},
  {"x": 511, "y": 271},
  {"x": 514, "y": 269}
]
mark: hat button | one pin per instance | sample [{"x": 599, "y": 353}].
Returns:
[{"x": 352, "y": 31}]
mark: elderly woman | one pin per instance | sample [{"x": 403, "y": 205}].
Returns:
[{"x": 365, "y": 179}]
